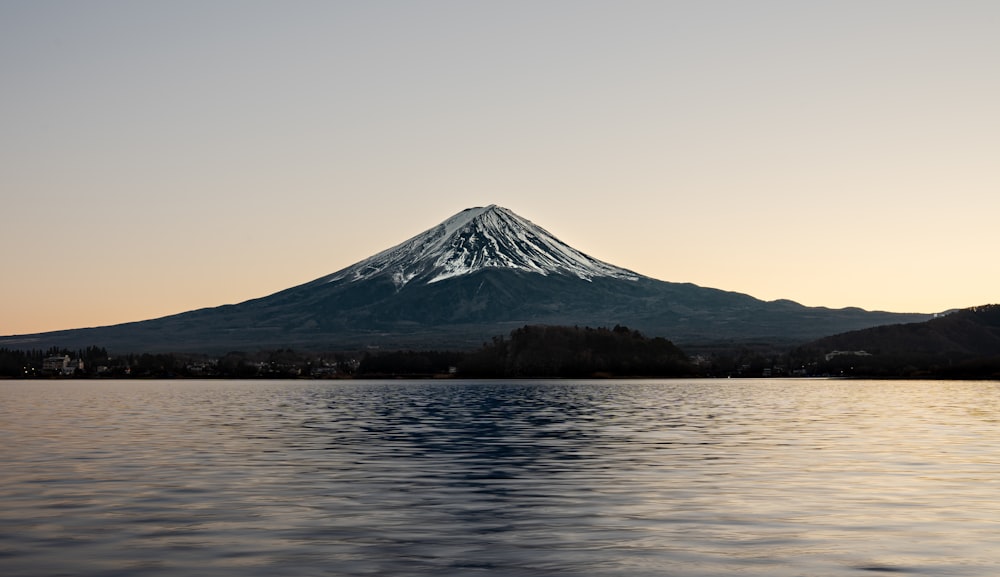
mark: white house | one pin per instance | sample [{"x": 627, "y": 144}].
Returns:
[{"x": 61, "y": 365}]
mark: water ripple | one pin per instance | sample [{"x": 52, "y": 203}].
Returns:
[{"x": 685, "y": 478}]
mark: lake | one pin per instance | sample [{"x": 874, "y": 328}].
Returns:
[{"x": 632, "y": 477}]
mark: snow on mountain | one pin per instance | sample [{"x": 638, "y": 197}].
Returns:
[{"x": 475, "y": 239}]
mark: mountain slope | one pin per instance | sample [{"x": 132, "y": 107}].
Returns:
[
  {"x": 969, "y": 332},
  {"x": 963, "y": 344},
  {"x": 478, "y": 274}
]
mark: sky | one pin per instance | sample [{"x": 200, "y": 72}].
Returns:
[{"x": 159, "y": 157}]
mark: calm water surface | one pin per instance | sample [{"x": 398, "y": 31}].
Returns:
[{"x": 677, "y": 478}]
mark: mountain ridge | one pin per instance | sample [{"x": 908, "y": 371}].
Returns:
[
  {"x": 969, "y": 332},
  {"x": 960, "y": 344},
  {"x": 477, "y": 274}
]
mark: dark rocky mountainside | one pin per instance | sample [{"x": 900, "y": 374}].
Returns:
[
  {"x": 966, "y": 333},
  {"x": 963, "y": 344},
  {"x": 481, "y": 273}
]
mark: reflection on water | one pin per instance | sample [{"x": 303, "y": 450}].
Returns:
[{"x": 681, "y": 478}]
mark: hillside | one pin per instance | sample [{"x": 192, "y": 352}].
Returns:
[{"x": 963, "y": 343}]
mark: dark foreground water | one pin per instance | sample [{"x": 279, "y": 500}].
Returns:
[{"x": 675, "y": 478}]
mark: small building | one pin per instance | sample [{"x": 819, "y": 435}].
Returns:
[
  {"x": 61, "y": 365},
  {"x": 55, "y": 364},
  {"x": 74, "y": 365},
  {"x": 833, "y": 354}
]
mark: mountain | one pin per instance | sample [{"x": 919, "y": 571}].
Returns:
[
  {"x": 478, "y": 274},
  {"x": 971, "y": 332},
  {"x": 960, "y": 344},
  {"x": 473, "y": 240}
]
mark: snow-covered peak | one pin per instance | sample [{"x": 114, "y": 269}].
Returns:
[{"x": 475, "y": 239}]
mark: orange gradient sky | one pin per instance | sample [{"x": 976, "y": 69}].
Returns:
[{"x": 159, "y": 157}]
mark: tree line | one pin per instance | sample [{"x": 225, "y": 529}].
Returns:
[
  {"x": 561, "y": 351},
  {"x": 530, "y": 351}
]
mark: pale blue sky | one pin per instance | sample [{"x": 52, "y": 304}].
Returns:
[{"x": 158, "y": 157}]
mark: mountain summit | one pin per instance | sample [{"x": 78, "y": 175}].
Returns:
[
  {"x": 477, "y": 275},
  {"x": 475, "y": 239}
]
